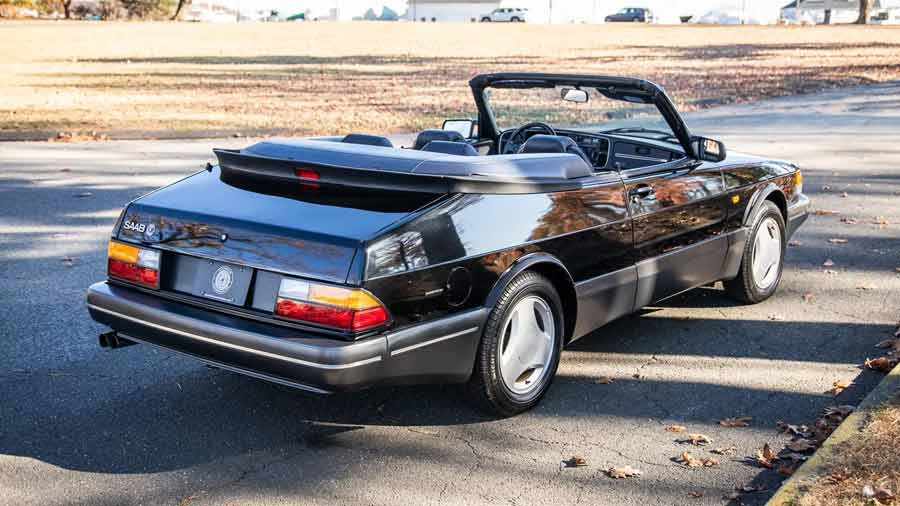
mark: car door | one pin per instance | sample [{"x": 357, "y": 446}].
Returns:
[{"x": 678, "y": 212}]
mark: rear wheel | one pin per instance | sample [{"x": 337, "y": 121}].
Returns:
[
  {"x": 485, "y": 19},
  {"x": 763, "y": 259},
  {"x": 520, "y": 348},
  {"x": 514, "y": 19}
]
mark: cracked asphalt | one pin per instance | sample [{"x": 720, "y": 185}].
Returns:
[{"x": 84, "y": 425}]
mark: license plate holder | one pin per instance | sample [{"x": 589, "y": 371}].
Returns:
[{"x": 223, "y": 282}]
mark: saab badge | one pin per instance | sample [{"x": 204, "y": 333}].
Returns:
[
  {"x": 222, "y": 280},
  {"x": 150, "y": 231}
]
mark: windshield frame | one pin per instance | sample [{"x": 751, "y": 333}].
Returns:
[{"x": 611, "y": 86}]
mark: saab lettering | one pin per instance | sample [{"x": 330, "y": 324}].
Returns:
[{"x": 137, "y": 227}]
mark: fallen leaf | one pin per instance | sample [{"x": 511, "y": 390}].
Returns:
[
  {"x": 732, "y": 496},
  {"x": 604, "y": 380},
  {"x": 623, "y": 472},
  {"x": 844, "y": 195},
  {"x": 880, "y": 220},
  {"x": 575, "y": 461},
  {"x": 766, "y": 457},
  {"x": 695, "y": 494},
  {"x": 882, "y": 364},
  {"x": 795, "y": 430},
  {"x": 699, "y": 439},
  {"x": 840, "y": 412},
  {"x": 828, "y": 263},
  {"x": 825, "y": 212},
  {"x": 65, "y": 169},
  {"x": 867, "y": 287},
  {"x": 786, "y": 470},
  {"x": 808, "y": 297},
  {"x": 801, "y": 445},
  {"x": 830, "y": 272},
  {"x": 884, "y": 496},
  {"x": 849, "y": 221},
  {"x": 892, "y": 345},
  {"x": 68, "y": 261},
  {"x": 795, "y": 243},
  {"x": 690, "y": 461},
  {"x": 837, "y": 387},
  {"x": 837, "y": 476},
  {"x": 741, "y": 421},
  {"x": 835, "y": 240},
  {"x": 731, "y": 450},
  {"x": 676, "y": 428},
  {"x": 749, "y": 489}
]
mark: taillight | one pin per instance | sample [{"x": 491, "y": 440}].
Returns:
[
  {"x": 134, "y": 264},
  {"x": 308, "y": 177},
  {"x": 332, "y": 306}
]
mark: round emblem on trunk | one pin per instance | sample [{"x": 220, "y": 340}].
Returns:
[{"x": 222, "y": 279}]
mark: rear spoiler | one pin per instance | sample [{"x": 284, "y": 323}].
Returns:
[{"x": 308, "y": 163}]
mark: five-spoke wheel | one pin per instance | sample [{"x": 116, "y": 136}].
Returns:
[
  {"x": 763, "y": 258},
  {"x": 519, "y": 351}
]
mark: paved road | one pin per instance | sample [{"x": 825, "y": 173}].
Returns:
[{"x": 81, "y": 425}]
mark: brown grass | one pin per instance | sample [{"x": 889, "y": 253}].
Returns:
[
  {"x": 185, "y": 79},
  {"x": 872, "y": 459}
]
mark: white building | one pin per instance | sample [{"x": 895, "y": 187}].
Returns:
[{"x": 449, "y": 10}]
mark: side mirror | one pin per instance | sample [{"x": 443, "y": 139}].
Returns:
[
  {"x": 466, "y": 127},
  {"x": 709, "y": 150},
  {"x": 574, "y": 95}
]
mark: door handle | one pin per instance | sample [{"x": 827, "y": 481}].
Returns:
[{"x": 641, "y": 191}]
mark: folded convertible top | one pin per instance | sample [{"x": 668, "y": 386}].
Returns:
[{"x": 328, "y": 163}]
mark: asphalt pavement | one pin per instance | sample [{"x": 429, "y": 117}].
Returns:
[{"x": 85, "y": 425}]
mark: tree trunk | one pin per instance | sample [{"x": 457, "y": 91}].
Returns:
[
  {"x": 864, "y": 7},
  {"x": 67, "y": 8},
  {"x": 181, "y": 5}
]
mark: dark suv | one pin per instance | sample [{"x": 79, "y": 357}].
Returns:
[{"x": 631, "y": 15}]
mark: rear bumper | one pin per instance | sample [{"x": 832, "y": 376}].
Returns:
[
  {"x": 797, "y": 213},
  {"x": 438, "y": 351}
]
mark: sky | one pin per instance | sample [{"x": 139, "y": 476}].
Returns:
[{"x": 564, "y": 10}]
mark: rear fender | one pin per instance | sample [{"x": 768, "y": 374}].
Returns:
[{"x": 540, "y": 261}]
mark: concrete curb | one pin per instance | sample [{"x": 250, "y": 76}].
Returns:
[{"x": 814, "y": 467}]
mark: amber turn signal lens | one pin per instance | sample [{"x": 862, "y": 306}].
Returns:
[{"x": 133, "y": 264}]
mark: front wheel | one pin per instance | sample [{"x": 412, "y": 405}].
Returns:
[
  {"x": 485, "y": 19},
  {"x": 520, "y": 348},
  {"x": 763, "y": 259}
]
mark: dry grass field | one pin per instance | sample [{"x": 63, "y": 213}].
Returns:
[{"x": 126, "y": 80}]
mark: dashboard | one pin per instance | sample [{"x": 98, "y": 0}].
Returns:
[{"x": 613, "y": 151}]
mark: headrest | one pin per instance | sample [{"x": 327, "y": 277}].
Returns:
[
  {"x": 451, "y": 148},
  {"x": 369, "y": 140},
  {"x": 553, "y": 144},
  {"x": 547, "y": 144},
  {"x": 426, "y": 136}
]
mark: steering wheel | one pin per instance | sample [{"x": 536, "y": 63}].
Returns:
[{"x": 510, "y": 142}]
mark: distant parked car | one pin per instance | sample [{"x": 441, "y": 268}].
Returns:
[
  {"x": 506, "y": 15},
  {"x": 631, "y": 15}
]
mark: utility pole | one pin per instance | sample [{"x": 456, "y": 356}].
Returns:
[{"x": 550, "y": 19}]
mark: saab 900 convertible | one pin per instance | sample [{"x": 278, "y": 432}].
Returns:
[{"x": 472, "y": 256}]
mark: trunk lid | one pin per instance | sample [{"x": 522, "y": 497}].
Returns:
[{"x": 279, "y": 227}]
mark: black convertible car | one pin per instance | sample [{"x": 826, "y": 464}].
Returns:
[{"x": 472, "y": 256}]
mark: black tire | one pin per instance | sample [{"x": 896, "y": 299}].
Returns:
[
  {"x": 486, "y": 387},
  {"x": 485, "y": 19},
  {"x": 514, "y": 19},
  {"x": 744, "y": 287}
]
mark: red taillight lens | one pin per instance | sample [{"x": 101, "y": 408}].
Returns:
[
  {"x": 342, "y": 308},
  {"x": 308, "y": 177},
  {"x": 134, "y": 273},
  {"x": 130, "y": 263}
]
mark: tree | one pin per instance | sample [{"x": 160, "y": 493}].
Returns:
[
  {"x": 181, "y": 5},
  {"x": 865, "y": 6}
]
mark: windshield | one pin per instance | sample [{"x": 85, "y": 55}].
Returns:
[{"x": 513, "y": 107}]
